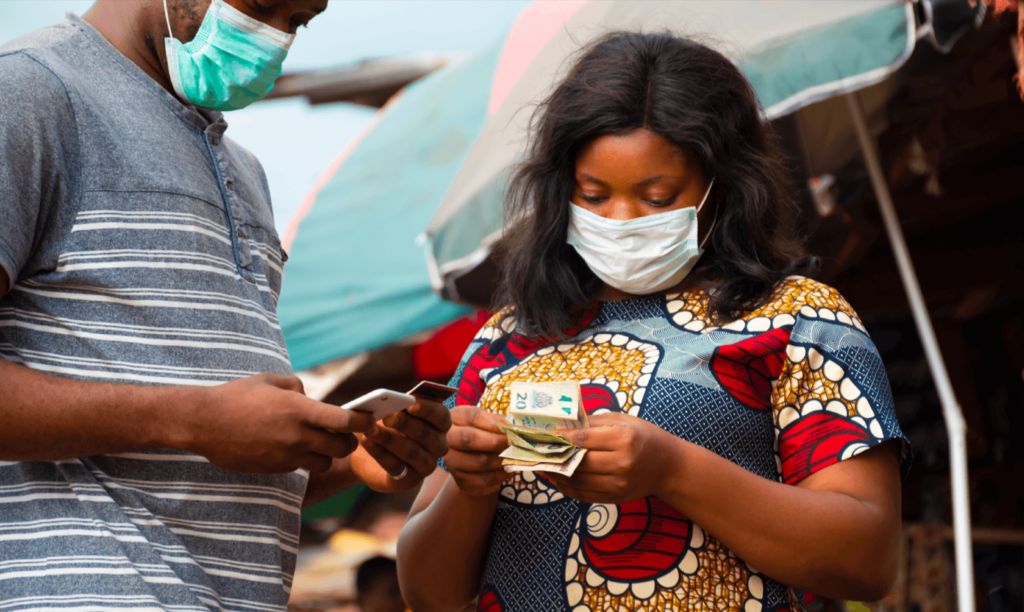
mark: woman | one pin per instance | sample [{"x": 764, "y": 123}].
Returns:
[{"x": 742, "y": 443}]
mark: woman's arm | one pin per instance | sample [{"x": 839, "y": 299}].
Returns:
[
  {"x": 834, "y": 533},
  {"x": 443, "y": 544}
]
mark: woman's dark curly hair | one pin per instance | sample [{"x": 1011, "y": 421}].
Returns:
[{"x": 696, "y": 99}]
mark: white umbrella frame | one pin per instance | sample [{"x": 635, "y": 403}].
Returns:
[{"x": 956, "y": 429}]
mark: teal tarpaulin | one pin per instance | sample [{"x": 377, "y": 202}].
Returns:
[{"x": 355, "y": 278}]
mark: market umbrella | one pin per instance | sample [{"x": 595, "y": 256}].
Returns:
[{"x": 355, "y": 278}]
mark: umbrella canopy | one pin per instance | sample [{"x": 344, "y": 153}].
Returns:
[
  {"x": 355, "y": 277},
  {"x": 437, "y": 155},
  {"x": 795, "y": 54}
]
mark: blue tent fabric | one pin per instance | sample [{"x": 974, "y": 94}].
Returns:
[{"x": 356, "y": 279}]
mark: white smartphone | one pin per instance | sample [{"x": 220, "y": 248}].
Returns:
[
  {"x": 384, "y": 402},
  {"x": 381, "y": 403}
]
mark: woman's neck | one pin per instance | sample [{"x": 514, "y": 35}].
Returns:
[{"x": 607, "y": 293}]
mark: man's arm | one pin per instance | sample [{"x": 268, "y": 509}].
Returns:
[{"x": 259, "y": 424}]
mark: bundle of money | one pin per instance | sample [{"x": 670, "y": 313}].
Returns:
[{"x": 537, "y": 409}]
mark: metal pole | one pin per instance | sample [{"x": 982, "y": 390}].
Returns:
[{"x": 955, "y": 426}]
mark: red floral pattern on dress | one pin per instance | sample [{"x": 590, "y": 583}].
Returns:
[
  {"x": 648, "y": 539},
  {"x": 500, "y": 351},
  {"x": 598, "y": 397},
  {"x": 489, "y": 602},
  {"x": 748, "y": 368},
  {"x": 786, "y": 366},
  {"x": 817, "y": 441}
]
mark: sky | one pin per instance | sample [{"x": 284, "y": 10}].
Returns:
[{"x": 294, "y": 141}]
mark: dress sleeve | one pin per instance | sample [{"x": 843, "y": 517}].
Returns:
[
  {"x": 832, "y": 399},
  {"x": 481, "y": 354},
  {"x": 38, "y": 153},
  {"x": 478, "y": 357}
]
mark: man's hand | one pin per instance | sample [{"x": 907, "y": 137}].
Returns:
[
  {"x": 476, "y": 442},
  {"x": 406, "y": 444},
  {"x": 265, "y": 424}
]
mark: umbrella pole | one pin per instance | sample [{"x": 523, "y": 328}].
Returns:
[{"x": 955, "y": 426}]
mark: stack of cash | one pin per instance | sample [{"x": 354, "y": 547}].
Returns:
[{"x": 535, "y": 411}]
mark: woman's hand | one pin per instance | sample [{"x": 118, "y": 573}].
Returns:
[
  {"x": 476, "y": 442},
  {"x": 627, "y": 458},
  {"x": 403, "y": 449}
]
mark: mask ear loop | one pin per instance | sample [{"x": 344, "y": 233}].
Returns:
[
  {"x": 699, "y": 206},
  {"x": 167, "y": 16}
]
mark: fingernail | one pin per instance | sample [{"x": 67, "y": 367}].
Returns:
[{"x": 374, "y": 432}]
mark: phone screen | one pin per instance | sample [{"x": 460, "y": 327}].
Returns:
[{"x": 433, "y": 391}]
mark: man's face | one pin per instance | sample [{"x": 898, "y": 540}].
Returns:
[{"x": 285, "y": 15}]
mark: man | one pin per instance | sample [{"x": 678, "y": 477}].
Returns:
[{"x": 154, "y": 446}]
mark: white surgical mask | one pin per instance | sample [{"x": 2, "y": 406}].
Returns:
[{"x": 638, "y": 256}]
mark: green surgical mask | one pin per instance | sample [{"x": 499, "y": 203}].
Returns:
[{"x": 232, "y": 62}]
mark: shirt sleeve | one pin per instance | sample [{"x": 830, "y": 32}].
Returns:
[
  {"x": 38, "y": 153},
  {"x": 832, "y": 400}
]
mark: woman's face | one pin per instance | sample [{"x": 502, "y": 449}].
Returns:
[{"x": 637, "y": 174}]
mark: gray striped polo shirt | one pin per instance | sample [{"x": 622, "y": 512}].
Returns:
[{"x": 141, "y": 247}]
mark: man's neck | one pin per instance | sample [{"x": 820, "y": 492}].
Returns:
[{"x": 126, "y": 25}]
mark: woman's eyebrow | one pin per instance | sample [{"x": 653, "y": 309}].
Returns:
[
  {"x": 653, "y": 179},
  {"x": 646, "y": 181},
  {"x": 592, "y": 179}
]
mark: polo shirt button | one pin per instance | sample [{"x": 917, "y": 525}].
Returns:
[{"x": 241, "y": 234}]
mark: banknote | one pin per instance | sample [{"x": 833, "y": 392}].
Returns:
[
  {"x": 566, "y": 469},
  {"x": 540, "y": 447},
  {"x": 535, "y": 411},
  {"x": 516, "y": 453},
  {"x": 531, "y": 435},
  {"x": 547, "y": 406},
  {"x": 526, "y": 450}
]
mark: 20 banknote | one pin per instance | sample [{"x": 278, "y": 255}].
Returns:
[{"x": 535, "y": 411}]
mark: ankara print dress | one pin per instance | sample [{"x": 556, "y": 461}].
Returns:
[{"x": 793, "y": 388}]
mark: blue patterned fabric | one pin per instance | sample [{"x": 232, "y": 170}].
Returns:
[{"x": 792, "y": 388}]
